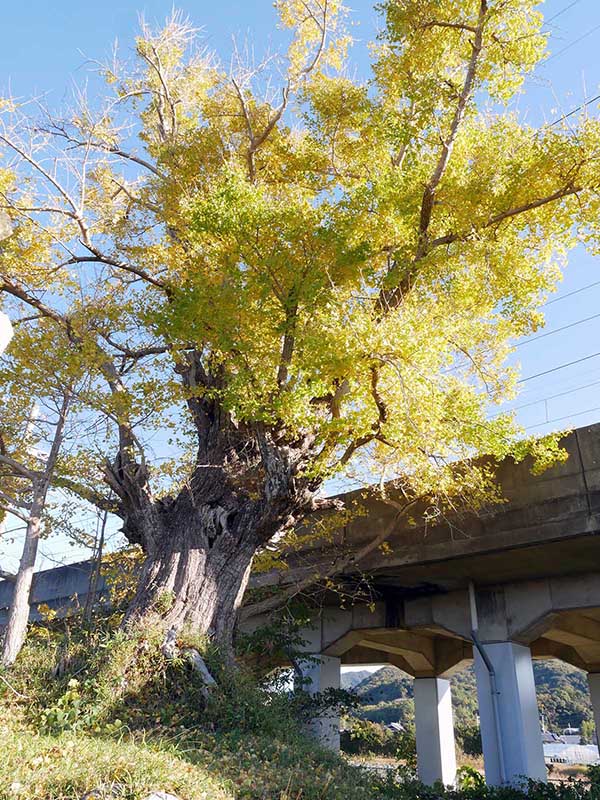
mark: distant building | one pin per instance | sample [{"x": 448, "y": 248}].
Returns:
[
  {"x": 571, "y": 735},
  {"x": 396, "y": 727},
  {"x": 552, "y": 738},
  {"x": 564, "y": 753}
]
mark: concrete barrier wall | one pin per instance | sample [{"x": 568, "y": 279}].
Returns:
[{"x": 59, "y": 588}]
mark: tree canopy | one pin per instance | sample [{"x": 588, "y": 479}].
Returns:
[{"x": 291, "y": 284}]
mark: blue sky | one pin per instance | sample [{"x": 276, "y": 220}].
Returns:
[{"x": 45, "y": 49}]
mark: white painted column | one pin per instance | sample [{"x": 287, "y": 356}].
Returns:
[
  {"x": 518, "y": 723},
  {"x": 321, "y": 673},
  {"x": 436, "y": 752},
  {"x": 6, "y": 332},
  {"x": 594, "y": 685}
]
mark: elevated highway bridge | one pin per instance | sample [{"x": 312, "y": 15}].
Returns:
[{"x": 516, "y": 581}]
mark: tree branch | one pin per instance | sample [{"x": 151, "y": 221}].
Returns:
[
  {"x": 18, "y": 468},
  {"x": 95, "y": 498},
  {"x": 336, "y": 567},
  {"x": 429, "y": 194},
  {"x": 13, "y": 502},
  {"x": 460, "y": 26},
  {"x": 566, "y": 191},
  {"x": 58, "y": 130},
  {"x": 391, "y": 298}
]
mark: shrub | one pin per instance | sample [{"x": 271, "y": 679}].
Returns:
[
  {"x": 363, "y": 737},
  {"x": 120, "y": 712},
  {"x": 469, "y": 739},
  {"x": 593, "y": 774},
  {"x": 468, "y": 777},
  {"x": 398, "y": 787}
]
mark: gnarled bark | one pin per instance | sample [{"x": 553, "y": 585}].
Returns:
[
  {"x": 190, "y": 581},
  {"x": 246, "y": 487}
]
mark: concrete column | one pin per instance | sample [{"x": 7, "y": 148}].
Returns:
[
  {"x": 6, "y": 332},
  {"x": 594, "y": 685},
  {"x": 436, "y": 753},
  {"x": 321, "y": 673},
  {"x": 518, "y": 722}
]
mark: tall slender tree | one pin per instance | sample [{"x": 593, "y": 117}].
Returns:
[
  {"x": 39, "y": 379},
  {"x": 301, "y": 284}
]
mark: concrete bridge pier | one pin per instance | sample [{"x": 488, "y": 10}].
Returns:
[
  {"x": 510, "y": 728},
  {"x": 361, "y": 636},
  {"x": 436, "y": 752},
  {"x": 594, "y": 686},
  {"x": 320, "y": 673}
]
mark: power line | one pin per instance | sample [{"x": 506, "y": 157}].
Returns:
[
  {"x": 575, "y": 291},
  {"x": 560, "y": 383},
  {"x": 550, "y": 333},
  {"x": 549, "y": 397},
  {"x": 573, "y": 43},
  {"x": 561, "y": 419},
  {"x": 561, "y": 366},
  {"x": 557, "y": 330},
  {"x": 562, "y": 11},
  {"x": 573, "y": 110}
]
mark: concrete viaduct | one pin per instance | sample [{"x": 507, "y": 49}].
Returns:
[{"x": 517, "y": 581}]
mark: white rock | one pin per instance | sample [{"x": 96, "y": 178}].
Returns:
[{"x": 161, "y": 796}]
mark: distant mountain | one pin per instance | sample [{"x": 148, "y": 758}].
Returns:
[
  {"x": 388, "y": 683},
  {"x": 387, "y": 695},
  {"x": 350, "y": 680}
]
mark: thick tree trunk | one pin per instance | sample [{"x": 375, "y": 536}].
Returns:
[
  {"x": 191, "y": 585},
  {"x": 245, "y": 487}
]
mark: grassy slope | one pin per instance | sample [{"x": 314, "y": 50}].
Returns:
[
  {"x": 40, "y": 767},
  {"x": 130, "y": 718},
  {"x": 64, "y": 767}
]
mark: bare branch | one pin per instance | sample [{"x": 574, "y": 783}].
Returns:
[
  {"x": 18, "y": 468},
  {"x": 106, "y": 147},
  {"x": 75, "y": 211},
  {"x": 17, "y": 291},
  {"x": 98, "y": 257},
  {"x": 86, "y": 493}
]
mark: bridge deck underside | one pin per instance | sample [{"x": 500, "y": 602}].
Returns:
[{"x": 572, "y": 637}]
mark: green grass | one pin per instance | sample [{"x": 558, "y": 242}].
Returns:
[
  {"x": 38, "y": 767},
  {"x": 220, "y": 767},
  {"x": 121, "y": 714}
]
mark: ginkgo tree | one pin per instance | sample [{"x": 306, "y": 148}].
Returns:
[
  {"x": 299, "y": 283},
  {"x": 40, "y": 383}
]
